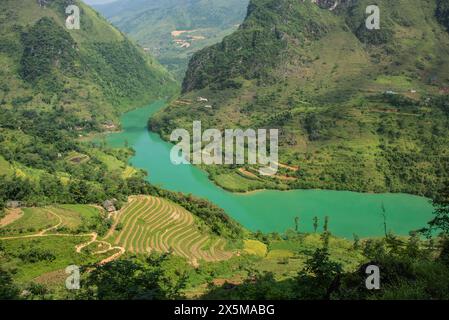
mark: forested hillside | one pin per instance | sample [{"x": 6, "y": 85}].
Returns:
[
  {"x": 357, "y": 109},
  {"x": 58, "y": 86}
]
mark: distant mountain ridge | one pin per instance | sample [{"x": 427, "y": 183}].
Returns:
[{"x": 199, "y": 23}]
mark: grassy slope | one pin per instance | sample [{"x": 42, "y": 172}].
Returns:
[
  {"x": 76, "y": 220},
  {"x": 319, "y": 78},
  {"x": 62, "y": 248}
]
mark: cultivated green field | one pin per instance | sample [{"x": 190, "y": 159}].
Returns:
[
  {"x": 68, "y": 218},
  {"x": 33, "y": 219},
  {"x": 45, "y": 240},
  {"x": 150, "y": 224}
]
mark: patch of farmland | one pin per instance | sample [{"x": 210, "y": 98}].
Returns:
[{"x": 154, "y": 224}]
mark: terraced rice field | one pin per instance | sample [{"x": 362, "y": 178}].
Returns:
[{"x": 154, "y": 224}]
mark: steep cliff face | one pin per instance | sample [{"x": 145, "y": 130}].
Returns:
[
  {"x": 276, "y": 33},
  {"x": 263, "y": 41}
]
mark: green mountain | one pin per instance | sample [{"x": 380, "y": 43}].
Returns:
[
  {"x": 94, "y": 71},
  {"x": 58, "y": 86},
  {"x": 357, "y": 109},
  {"x": 173, "y": 30}
]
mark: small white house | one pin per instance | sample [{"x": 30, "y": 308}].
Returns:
[{"x": 201, "y": 99}]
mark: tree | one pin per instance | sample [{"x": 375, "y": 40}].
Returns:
[
  {"x": 321, "y": 266},
  {"x": 296, "y": 223},
  {"x": 356, "y": 244},
  {"x": 326, "y": 224},
  {"x": 441, "y": 220},
  {"x": 258, "y": 286},
  {"x": 442, "y": 13},
  {"x": 320, "y": 276},
  {"x": 325, "y": 238},
  {"x": 79, "y": 191},
  {"x": 8, "y": 290},
  {"x": 37, "y": 291},
  {"x": 374, "y": 249},
  {"x": 384, "y": 217},
  {"x": 412, "y": 248},
  {"x": 315, "y": 224},
  {"x": 394, "y": 244},
  {"x": 326, "y": 234},
  {"x": 134, "y": 279},
  {"x": 444, "y": 255}
]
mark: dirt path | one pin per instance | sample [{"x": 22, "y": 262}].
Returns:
[
  {"x": 81, "y": 246},
  {"x": 113, "y": 257},
  {"x": 39, "y": 235},
  {"x": 94, "y": 236},
  {"x": 116, "y": 220},
  {"x": 292, "y": 168},
  {"x": 43, "y": 232},
  {"x": 11, "y": 216},
  {"x": 248, "y": 174},
  {"x": 285, "y": 178}
]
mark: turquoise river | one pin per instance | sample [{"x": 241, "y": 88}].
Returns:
[{"x": 349, "y": 212}]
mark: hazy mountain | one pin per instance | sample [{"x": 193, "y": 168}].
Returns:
[{"x": 174, "y": 29}]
